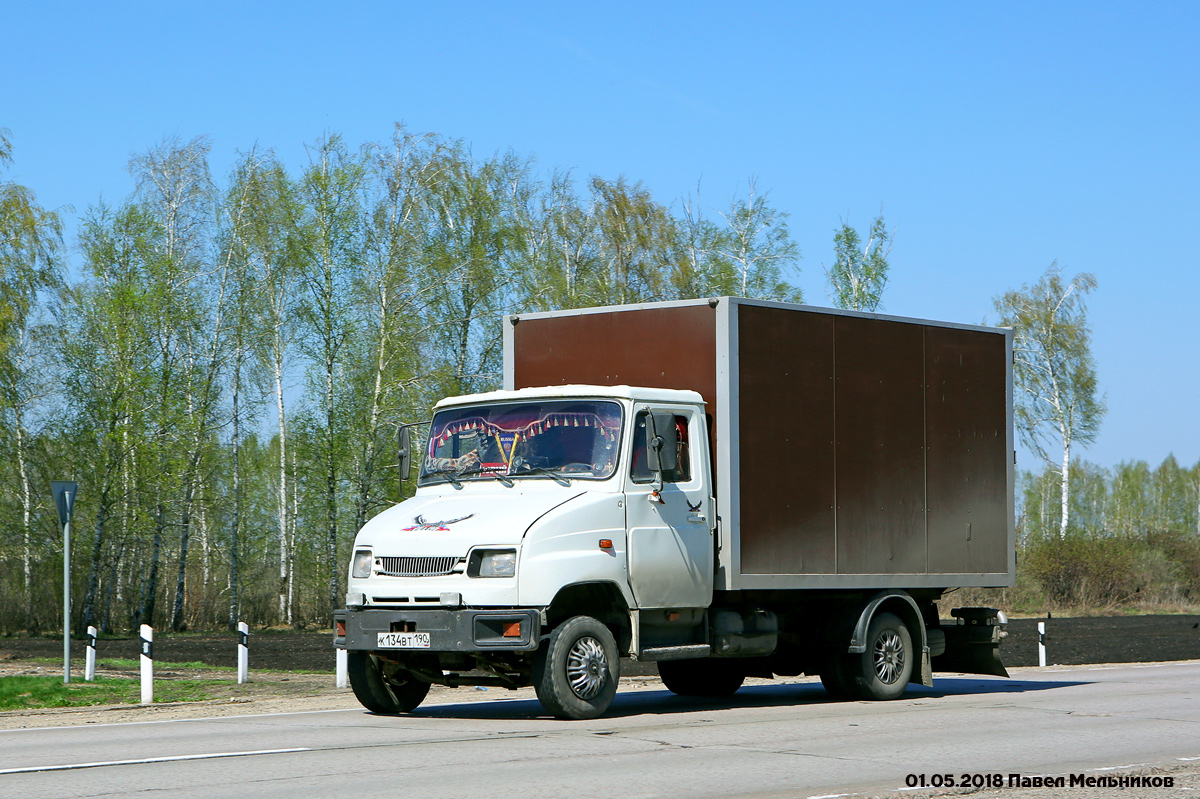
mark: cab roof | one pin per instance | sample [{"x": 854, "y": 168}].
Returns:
[{"x": 576, "y": 391}]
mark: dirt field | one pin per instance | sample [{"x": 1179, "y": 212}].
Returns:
[{"x": 1069, "y": 641}]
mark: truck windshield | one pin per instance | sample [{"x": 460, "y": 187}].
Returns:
[{"x": 557, "y": 438}]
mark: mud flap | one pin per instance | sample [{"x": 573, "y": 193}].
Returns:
[
  {"x": 926, "y": 675},
  {"x": 973, "y": 644}
]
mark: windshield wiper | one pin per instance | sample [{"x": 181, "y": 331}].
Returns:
[
  {"x": 498, "y": 475},
  {"x": 558, "y": 478}
]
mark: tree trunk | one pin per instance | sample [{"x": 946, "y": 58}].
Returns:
[
  {"x": 1066, "y": 487},
  {"x": 205, "y": 545},
  {"x": 94, "y": 565},
  {"x": 149, "y": 598},
  {"x": 26, "y": 525},
  {"x": 235, "y": 527},
  {"x": 111, "y": 586},
  {"x": 285, "y": 605},
  {"x": 178, "y": 623},
  {"x": 331, "y": 494}
]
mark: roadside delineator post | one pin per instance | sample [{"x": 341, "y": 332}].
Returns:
[
  {"x": 147, "y": 664},
  {"x": 342, "y": 681},
  {"x": 243, "y": 659},
  {"x": 89, "y": 663},
  {"x": 1042, "y": 644}
]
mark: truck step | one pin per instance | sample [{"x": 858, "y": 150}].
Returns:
[{"x": 676, "y": 652}]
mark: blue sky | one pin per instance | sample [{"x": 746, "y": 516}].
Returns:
[{"x": 996, "y": 138}]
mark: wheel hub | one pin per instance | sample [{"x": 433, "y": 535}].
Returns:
[
  {"x": 587, "y": 667},
  {"x": 889, "y": 657}
]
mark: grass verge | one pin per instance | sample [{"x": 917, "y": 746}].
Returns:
[
  {"x": 23, "y": 692},
  {"x": 127, "y": 663}
]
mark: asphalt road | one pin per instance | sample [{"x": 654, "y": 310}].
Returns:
[{"x": 769, "y": 740}]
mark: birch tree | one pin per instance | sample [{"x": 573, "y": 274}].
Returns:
[
  {"x": 270, "y": 237},
  {"x": 30, "y": 262},
  {"x": 860, "y": 269},
  {"x": 331, "y": 253},
  {"x": 392, "y": 294},
  {"x": 759, "y": 249},
  {"x": 188, "y": 325},
  {"x": 108, "y": 359},
  {"x": 704, "y": 266},
  {"x": 474, "y": 245},
  {"x": 560, "y": 248},
  {"x": 1058, "y": 405}
]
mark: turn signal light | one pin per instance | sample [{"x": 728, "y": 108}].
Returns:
[
  {"x": 606, "y": 543},
  {"x": 511, "y": 629},
  {"x": 341, "y": 628}
]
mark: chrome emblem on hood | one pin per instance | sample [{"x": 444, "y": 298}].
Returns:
[{"x": 419, "y": 523}]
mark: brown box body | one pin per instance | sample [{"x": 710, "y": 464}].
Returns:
[{"x": 850, "y": 450}]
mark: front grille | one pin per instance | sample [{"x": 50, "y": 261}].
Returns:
[{"x": 417, "y": 567}]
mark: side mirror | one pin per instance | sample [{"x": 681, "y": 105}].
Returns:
[
  {"x": 405, "y": 452},
  {"x": 662, "y": 442}
]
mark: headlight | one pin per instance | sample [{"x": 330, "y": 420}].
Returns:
[
  {"x": 492, "y": 563},
  {"x": 361, "y": 565}
]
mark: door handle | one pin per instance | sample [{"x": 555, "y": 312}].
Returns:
[{"x": 698, "y": 518}]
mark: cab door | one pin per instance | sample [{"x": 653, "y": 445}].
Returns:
[{"x": 670, "y": 538}]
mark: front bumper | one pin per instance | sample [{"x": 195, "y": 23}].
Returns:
[{"x": 464, "y": 630}]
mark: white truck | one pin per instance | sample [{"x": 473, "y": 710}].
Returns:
[{"x": 728, "y": 487}]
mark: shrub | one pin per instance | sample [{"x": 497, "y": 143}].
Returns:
[{"x": 1084, "y": 569}]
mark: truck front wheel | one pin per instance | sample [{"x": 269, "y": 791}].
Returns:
[
  {"x": 883, "y": 671},
  {"x": 383, "y": 686},
  {"x": 702, "y": 677},
  {"x": 575, "y": 672}
]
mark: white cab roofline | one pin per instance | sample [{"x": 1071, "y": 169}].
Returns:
[{"x": 570, "y": 392}]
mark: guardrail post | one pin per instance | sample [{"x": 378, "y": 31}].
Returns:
[
  {"x": 342, "y": 680},
  {"x": 89, "y": 663},
  {"x": 243, "y": 659},
  {"x": 1042, "y": 644},
  {"x": 147, "y": 664}
]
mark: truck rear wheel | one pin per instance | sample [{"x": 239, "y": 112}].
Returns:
[
  {"x": 837, "y": 677},
  {"x": 701, "y": 676},
  {"x": 883, "y": 671},
  {"x": 383, "y": 686},
  {"x": 575, "y": 673}
]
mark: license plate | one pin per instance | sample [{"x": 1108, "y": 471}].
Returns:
[{"x": 403, "y": 641}]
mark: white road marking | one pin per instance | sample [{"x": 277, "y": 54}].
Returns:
[
  {"x": 177, "y": 721},
  {"x": 99, "y": 764}
]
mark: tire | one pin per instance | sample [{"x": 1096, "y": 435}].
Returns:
[
  {"x": 883, "y": 671},
  {"x": 836, "y": 678},
  {"x": 575, "y": 672},
  {"x": 382, "y": 686},
  {"x": 712, "y": 677}
]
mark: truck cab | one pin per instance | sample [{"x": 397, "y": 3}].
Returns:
[{"x": 536, "y": 508}]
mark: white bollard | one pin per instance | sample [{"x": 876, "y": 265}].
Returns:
[
  {"x": 89, "y": 663},
  {"x": 147, "y": 664},
  {"x": 243, "y": 652},
  {"x": 342, "y": 681},
  {"x": 1042, "y": 644}
]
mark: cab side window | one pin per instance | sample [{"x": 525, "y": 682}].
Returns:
[{"x": 640, "y": 471}]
